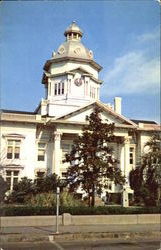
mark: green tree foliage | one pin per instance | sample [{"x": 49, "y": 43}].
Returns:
[
  {"x": 91, "y": 160},
  {"x": 26, "y": 187},
  {"x": 47, "y": 183},
  {"x": 3, "y": 188},
  {"x": 145, "y": 180},
  {"x": 22, "y": 189}
]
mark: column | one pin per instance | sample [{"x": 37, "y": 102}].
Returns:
[
  {"x": 57, "y": 153},
  {"x": 125, "y": 198},
  {"x": 126, "y": 158},
  {"x": 121, "y": 157}
]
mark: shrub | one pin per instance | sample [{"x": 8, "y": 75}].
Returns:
[
  {"x": 80, "y": 210},
  {"x": 23, "y": 188},
  {"x": 26, "y": 210},
  {"x": 42, "y": 200},
  {"x": 68, "y": 200},
  {"x": 49, "y": 199},
  {"x": 26, "y": 188}
]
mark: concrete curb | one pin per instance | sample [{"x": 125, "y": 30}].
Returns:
[
  {"x": 79, "y": 236},
  {"x": 23, "y": 238},
  {"x": 105, "y": 235}
]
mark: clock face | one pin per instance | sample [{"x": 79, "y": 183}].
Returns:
[{"x": 78, "y": 81}]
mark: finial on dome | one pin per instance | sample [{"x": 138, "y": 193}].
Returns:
[{"x": 73, "y": 32}]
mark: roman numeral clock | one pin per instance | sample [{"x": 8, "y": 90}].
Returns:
[{"x": 78, "y": 81}]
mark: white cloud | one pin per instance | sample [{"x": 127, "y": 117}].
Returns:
[
  {"x": 149, "y": 37},
  {"x": 135, "y": 72}
]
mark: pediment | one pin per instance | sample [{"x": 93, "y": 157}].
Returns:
[
  {"x": 107, "y": 115},
  {"x": 80, "y": 70}
]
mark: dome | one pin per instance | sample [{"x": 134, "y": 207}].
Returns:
[
  {"x": 73, "y": 47},
  {"x": 73, "y": 28}
]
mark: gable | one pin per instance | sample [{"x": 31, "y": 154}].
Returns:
[
  {"x": 80, "y": 70},
  {"x": 107, "y": 115}
]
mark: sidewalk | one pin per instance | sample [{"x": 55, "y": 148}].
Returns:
[{"x": 80, "y": 232}]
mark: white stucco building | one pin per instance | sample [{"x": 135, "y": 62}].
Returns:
[{"x": 33, "y": 143}]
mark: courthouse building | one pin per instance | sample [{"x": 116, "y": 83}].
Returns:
[{"x": 34, "y": 143}]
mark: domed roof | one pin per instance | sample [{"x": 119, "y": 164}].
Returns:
[
  {"x": 73, "y": 27},
  {"x": 73, "y": 47}
]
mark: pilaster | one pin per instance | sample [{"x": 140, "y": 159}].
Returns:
[
  {"x": 57, "y": 153},
  {"x": 126, "y": 157}
]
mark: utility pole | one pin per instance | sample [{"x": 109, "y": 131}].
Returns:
[{"x": 57, "y": 209}]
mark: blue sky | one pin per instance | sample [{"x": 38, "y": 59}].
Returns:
[{"x": 124, "y": 36}]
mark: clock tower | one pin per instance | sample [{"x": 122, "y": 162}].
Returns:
[{"x": 70, "y": 76}]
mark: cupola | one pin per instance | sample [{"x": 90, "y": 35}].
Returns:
[
  {"x": 73, "y": 32},
  {"x": 73, "y": 47}
]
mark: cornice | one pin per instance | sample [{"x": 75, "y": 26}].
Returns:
[
  {"x": 48, "y": 75},
  {"x": 67, "y": 58}
]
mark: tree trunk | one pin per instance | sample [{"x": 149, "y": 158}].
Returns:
[
  {"x": 93, "y": 200},
  {"x": 89, "y": 200},
  {"x": 158, "y": 196},
  {"x": 93, "y": 196}
]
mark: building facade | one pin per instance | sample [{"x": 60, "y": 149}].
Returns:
[{"x": 34, "y": 143}]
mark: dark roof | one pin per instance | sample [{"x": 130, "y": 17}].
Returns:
[
  {"x": 143, "y": 121},
  {"x": 17, "y": 112}
]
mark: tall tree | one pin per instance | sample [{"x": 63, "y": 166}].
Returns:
[
  {"x": 3, "y": 188},
  {"x": 91, "y": 159},
  {"x": 146, "y": 178}
]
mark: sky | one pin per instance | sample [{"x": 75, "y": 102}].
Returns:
[{"x": 124, "y": 36}]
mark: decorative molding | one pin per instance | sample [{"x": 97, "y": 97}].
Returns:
[
  {"x": 57, "y": 135},
  {"x": 17, "y": 136},
  {"x": 126, "y": 140},
  {"x": 13, "y": 167}
]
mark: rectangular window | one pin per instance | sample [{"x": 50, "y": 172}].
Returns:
[
  {"x": 15, "y": 181},
  {"x": 62, "y": 88},
  {"x": 59, "y": 88},
  {"x": 86, "y": 88},
  {"x": 17, "y": 153},
  {"x": 12, "y": 177},
  {"x": 66, "y": 148},
  {"x": 90, "y": 91},
  {"x": 13, "y": 149},
  {"x": 40, "y": 174},
  {"x": 8, "y": 177},
  {"x": 64, "y": 175},
  {"x": 109, "y": 184},
  {"x": 9, "y": 152},
  {"x": 131, "y": 155},
  {"x": 41, "y": 152},
  {"x": 55, "y": 90},
  {"x": 39, "y": 177},
  {"x": 59, "y": 85}
]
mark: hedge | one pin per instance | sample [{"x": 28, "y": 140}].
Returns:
[{"x": 82, "y": 210}]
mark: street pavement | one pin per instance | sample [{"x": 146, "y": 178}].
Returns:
[
  {"x": 83, "y": 229},
  {"x": 85, "y": 245},
  {"x": 87, "y": 237}
]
